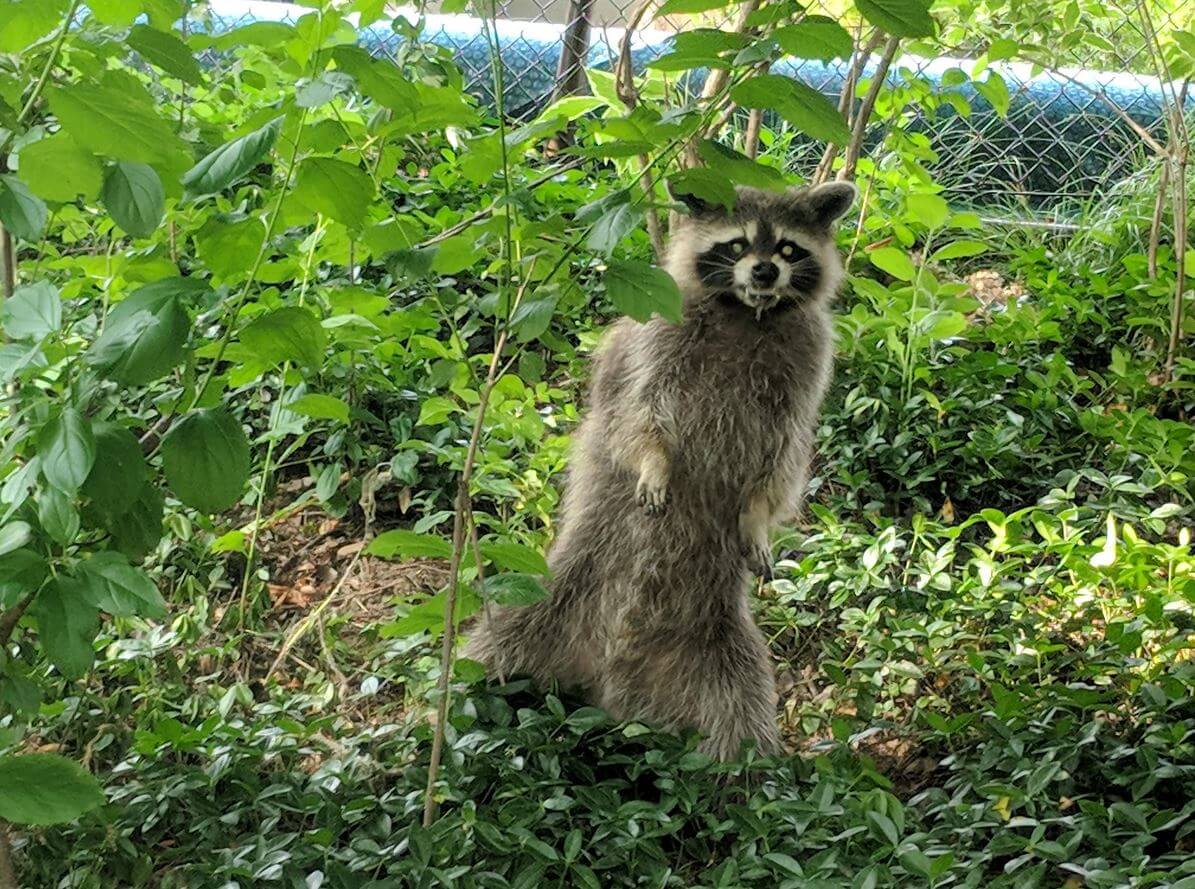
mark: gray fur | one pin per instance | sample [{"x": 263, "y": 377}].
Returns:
[{"x": 697, "y": 441}]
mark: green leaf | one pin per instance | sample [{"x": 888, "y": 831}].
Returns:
[
  {"x": 895, "y": 262},
  {"x": 13, "y": 536},
  {"x": 33, "y": 312},
  {"x": 958, "y": 250},
  {"x": 738, "y": 168},
  {"x": 428, "y": 615},
  {"x": 67, "y": 625},
  {"x": 402, "y": 544},
  {"x": 320, "y": 407},
  {"x": 205, "y": 458},
  {"x": 613, "y": 217},
  {"x": 115, "y": 118},
  {"x": 929, "y": 209},
  {"x": 381, "y": 81},
  {"x": 229, "y": 249},
  {"x": 21, "y": 572},
  {"x": 57, "y": 169},
  {"x": 21, "y": 211},
  {"x": 690, "y": 7},
  {"x": 533, "y": 317},
  {"x": 145, "y": 335},
  {"x": 23, "y": 22},
  {"x": 166, "y": 51},
  {"x": 436, "y": 410},
  {"x": 638, "y": 290},
  {"x": 139, "y": 528},
  {"x": 709, "y": 185},
  {"x": 45, "y": 789},
  {"x": 900, "y": 18},
  {"x": 120, "y": 13},
  {"x": 66, "y": 447},
  {"x": 815, "y": 37},
  {"x": 334, "y": 188},
  {"x": 232, "y": 160},
  {"x": 455, "y": 255},
  {"x": 801, "y": 105},
  {"x": 119, "y": 473},
  {"x": 111, "y": 584},
  {"x": 134, "y": 196},
  {"x": 995, "y": 90},
  {"x": 515, "y": 589},
  {"x": 515, "y": 557},
  {"x": 57, "y": 515},
  {"x": 266, "y": 34},
  {"x": 943, "y": 324},
  {"x": 291, "y": 333}
]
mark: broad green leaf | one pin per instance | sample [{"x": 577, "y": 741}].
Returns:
[
  {"x": 21, "y": 572},
  {"x": 801, "y": 105},
  {"x": 515, "y": 557},
  {"x": 21, "y": 211},
  {"x": 335, "y": 188},
  {"x": 428, "y": 615},
  {"x": 267, "y": 34},
  {"x": 323, "y": 89},
  {"x": 229, "y": 249},
  {"x": 704, "y": 183},
  {"x": 57, "y": 515},
  {"x": 381, "y": 81},
  {"x": 231, "y": 161},
  {"x": 815, "y": 37},
  {"x": 455, "y": 255},
  {"x": 569, "y": 108},
  {"x": 929, "y": 209},
  {"x": 66, "y": 447},
  {"x": 893, "y": 261},
  {"x": 533, "y": 317},
  {"x": 120, "y": 13},
  {"x": 111, "y": 584},
  {"x": 32, "y": 313},
  {"x": 690, "y": 7},
  {"x": 995, "y": 90},
  {"x": 23, "y": 22},
  {"x": 958, "y": 250},
  {"x": 133, "y": 195},
  {"x": 738, "y": 168},
  {"x": 638, "y": 290},
  {"x": 320, "y": 407},
  {"x": 45, "y": 789},
  {"x": 119, "y": 472},
  {"x": 13, "y": 536},
  {"x": 291, "y": 333},
  {"x": 166, "y": 51},
  {"x": 139, "y": 528},
  {"x": 612, "y": 218},
  {"x": 403, "y": 544},
  {"x": 57, "y": 169},
  {"x": 145, "y": 335},
  {"x": 436, "y": 410},
  {"x": 67, "y": 625},
  {"x": 942, "y": 324},
  {"x": 514, "y": 589},
  {"x": 115, "y": 118},
  {"x": 205, "y": 457},
  {"x": 900, "y": 18}
]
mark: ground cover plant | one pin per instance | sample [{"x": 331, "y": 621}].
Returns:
[{"x": 294, "y": 339}]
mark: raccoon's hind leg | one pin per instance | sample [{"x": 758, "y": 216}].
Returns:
[
  {"x": 540, "y": 641},
  {"x": 720, "y": 683}
]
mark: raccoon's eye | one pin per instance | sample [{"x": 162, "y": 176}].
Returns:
[
  {"x": 738, "y": 246},
  {"x": 787, "y": 249}
]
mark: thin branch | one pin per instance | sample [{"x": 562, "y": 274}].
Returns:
[
  {"x": 847, "y": 96},
  {"x": 1154, "y": 145},
  {"x": 9, "y": 257},
  {"x": 1180, "y": 261},
  {"x": 854, "y": 148},
  {"x": 1155, "y": 225},
  {"x": 55, "y": 51},
  {"x": 9, "y": 618},
  {"x": 751, "y": 136}
]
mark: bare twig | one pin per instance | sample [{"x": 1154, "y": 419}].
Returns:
[
  {"x": 624, "y": 84},
  {"x": 9, "y": 257},
  {"x": 1180, "y": 260},
  {"x": 751, "y": 136},
  {"x": 846, "y": 97},
  {"x": 8, "y": 874},
  {"x": 9, "y": 618},
  {"x": 1155, "y": 226},
  {"x": 854, "y": 148},
  {"x": 461, "y": 518}
]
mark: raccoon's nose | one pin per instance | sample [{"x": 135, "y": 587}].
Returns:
[{"x": 765, "y": 274}]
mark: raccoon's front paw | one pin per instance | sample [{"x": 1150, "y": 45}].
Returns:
[
  {"x": 759, "y": 559},
  {"x": 652, "y": 495}
]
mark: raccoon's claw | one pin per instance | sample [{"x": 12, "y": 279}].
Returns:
[
  {"x": 759, "y": 560},
  {"x": 652, "y": 499}
]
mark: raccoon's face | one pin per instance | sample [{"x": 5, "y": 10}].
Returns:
[{"x": 772, "y": 251}]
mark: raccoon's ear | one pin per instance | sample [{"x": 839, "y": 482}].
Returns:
[
  {"x": 831, "y": 200},
  {"x": 696, "y": 206}
]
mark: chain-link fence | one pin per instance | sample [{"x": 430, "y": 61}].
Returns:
[{"x": 1066, "y": 133}]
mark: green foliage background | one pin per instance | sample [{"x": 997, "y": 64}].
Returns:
[{"x": 260, "y": 274}]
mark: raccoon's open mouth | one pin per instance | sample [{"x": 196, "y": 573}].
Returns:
[{"x": 760, "y": 300}]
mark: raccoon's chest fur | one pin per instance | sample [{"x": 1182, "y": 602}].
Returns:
[{"x": 744, "y": 393}]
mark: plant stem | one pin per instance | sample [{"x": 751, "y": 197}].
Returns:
[
  {"x": 55, "y": 51},
  {"x": 854, "y": 148},
  {"x": 1155, "y": 225},
  {"x": 8, "y": 874},
  {"x": 9, "y": 257}
]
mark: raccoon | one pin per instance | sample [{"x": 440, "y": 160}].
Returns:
[{"x": 696, "y": 442}]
